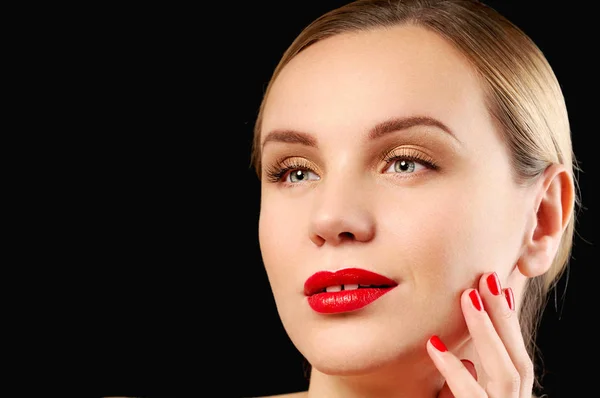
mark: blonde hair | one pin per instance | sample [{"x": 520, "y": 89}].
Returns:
[{"x": 522, "y": 93}]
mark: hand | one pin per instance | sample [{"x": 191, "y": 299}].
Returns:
[{"x": 494, "y": 328}]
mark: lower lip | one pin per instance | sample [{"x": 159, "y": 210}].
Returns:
[{"x": 345, "y": 300}]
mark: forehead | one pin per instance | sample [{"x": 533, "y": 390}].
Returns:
[{"x": 361, "y": 78}]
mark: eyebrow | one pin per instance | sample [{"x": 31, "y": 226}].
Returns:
[
  {"x": 404, "y": 123},
  {"x": 378, "y": 131},
  {"x": 290, "y": 137}
]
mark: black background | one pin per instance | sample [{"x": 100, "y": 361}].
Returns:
[{"x": 172, "y": 299}]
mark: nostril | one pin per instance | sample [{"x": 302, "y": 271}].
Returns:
[{"x": 347, "y": 236}]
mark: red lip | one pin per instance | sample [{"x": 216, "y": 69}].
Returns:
[{"x": 371, "y": 287}]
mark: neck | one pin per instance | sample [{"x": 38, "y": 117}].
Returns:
[{"x": 411, "y": 377}]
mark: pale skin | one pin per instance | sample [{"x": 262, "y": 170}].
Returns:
[{"x": 355, "y": 193}]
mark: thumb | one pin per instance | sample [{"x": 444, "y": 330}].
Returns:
[{"x": 445, "y": 391}]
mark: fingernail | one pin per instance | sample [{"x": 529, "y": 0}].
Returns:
[
  {"x": 510, "y": 298},
  {"x": 470, "y": 368},
  {"x": 437, "y": 343},
  {"x": 476, "y": 300},
  {"x": 494, "y": 284}
]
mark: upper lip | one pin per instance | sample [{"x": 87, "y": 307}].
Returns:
[{"x": 317, "y": 282}]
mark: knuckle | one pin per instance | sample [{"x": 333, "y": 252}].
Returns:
[
  {"x": 509, "y": 385},
  {"x": 505, "y": 313},
  {"x": 513, "y": 382},
  {"x": 525, "y": 369}
]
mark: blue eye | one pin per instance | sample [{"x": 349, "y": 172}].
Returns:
[
  {"x": 404, "y": 166},
  {"x": 408, "y": 160},
  {"x": 291, "y": 174},
  {"x": 299, "y": 175},
  {"x": 291, "y": 171}
]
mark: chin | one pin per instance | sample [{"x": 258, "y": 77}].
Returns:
[
  {"x": 347, "y": 365},
  {"x": 365, "y": 342},
  {"x": 357, "y": 349},
  {"x": 365, "y": 359}
]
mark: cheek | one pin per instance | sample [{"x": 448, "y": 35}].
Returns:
[
  {"x": 280, "y": 232},
  {"x": 434, "y": 243},
  {"x": 451, "y": 239}
]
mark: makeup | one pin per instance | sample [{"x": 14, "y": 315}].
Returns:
[{"x": 346, "y": 290}]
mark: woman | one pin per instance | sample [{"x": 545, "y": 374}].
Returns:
[{"x": 417, "y": 199}]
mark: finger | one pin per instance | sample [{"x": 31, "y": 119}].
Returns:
[
  {"x": 446, "y": 392},
  {"x": 459, "y": 380},
  {"x": 500, "y": 306},
  {"x": 503, "y": 378}
]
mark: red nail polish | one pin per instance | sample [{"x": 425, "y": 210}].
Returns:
[
  {"x": 437, "y": 343},
  {"x": 494, "y": 284},
  {"x": 510, "y": 298},
  {"x": 470, "y": 368},
  {"x": 476, "y": 300}
]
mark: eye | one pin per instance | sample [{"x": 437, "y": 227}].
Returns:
[
  {"x": 407, "y": 160},
  {"x": 299, "y": 175},
  {"x": 404, "y": 166},
  {"x": 291, "y": 171}
]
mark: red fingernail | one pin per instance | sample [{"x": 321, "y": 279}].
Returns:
[
  {"x": 437, "y": 343},
  {"x": 476, "y": 300},
  {"x": 494, "y": 284},
  {"x": 470, "y": 368},
  {"x": 510, "y": 298}
]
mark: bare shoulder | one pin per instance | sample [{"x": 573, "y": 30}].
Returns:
[
  {"x": 301, "y": 394},
  {"x": 304, "y": 394}
]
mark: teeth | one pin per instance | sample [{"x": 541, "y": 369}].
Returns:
[
  {"x": 353, "y": 286},
  {"x": 342, "y": 287}
]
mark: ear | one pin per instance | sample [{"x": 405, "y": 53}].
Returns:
[{"x": 552, "y": 209}]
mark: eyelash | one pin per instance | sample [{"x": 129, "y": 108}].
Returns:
[
  {"x": 277, "y": 171},
  {"x": 410, "y": 155}
]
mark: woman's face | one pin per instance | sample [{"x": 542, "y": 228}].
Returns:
[{"x": 378, "y": 153}]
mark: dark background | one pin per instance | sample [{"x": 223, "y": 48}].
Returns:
[{"x": 172, "y": 299}]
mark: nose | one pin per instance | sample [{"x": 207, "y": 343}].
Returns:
[{"x": 341, "y": 213}]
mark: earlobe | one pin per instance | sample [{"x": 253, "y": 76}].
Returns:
[{"x": 550, "y": 215}]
